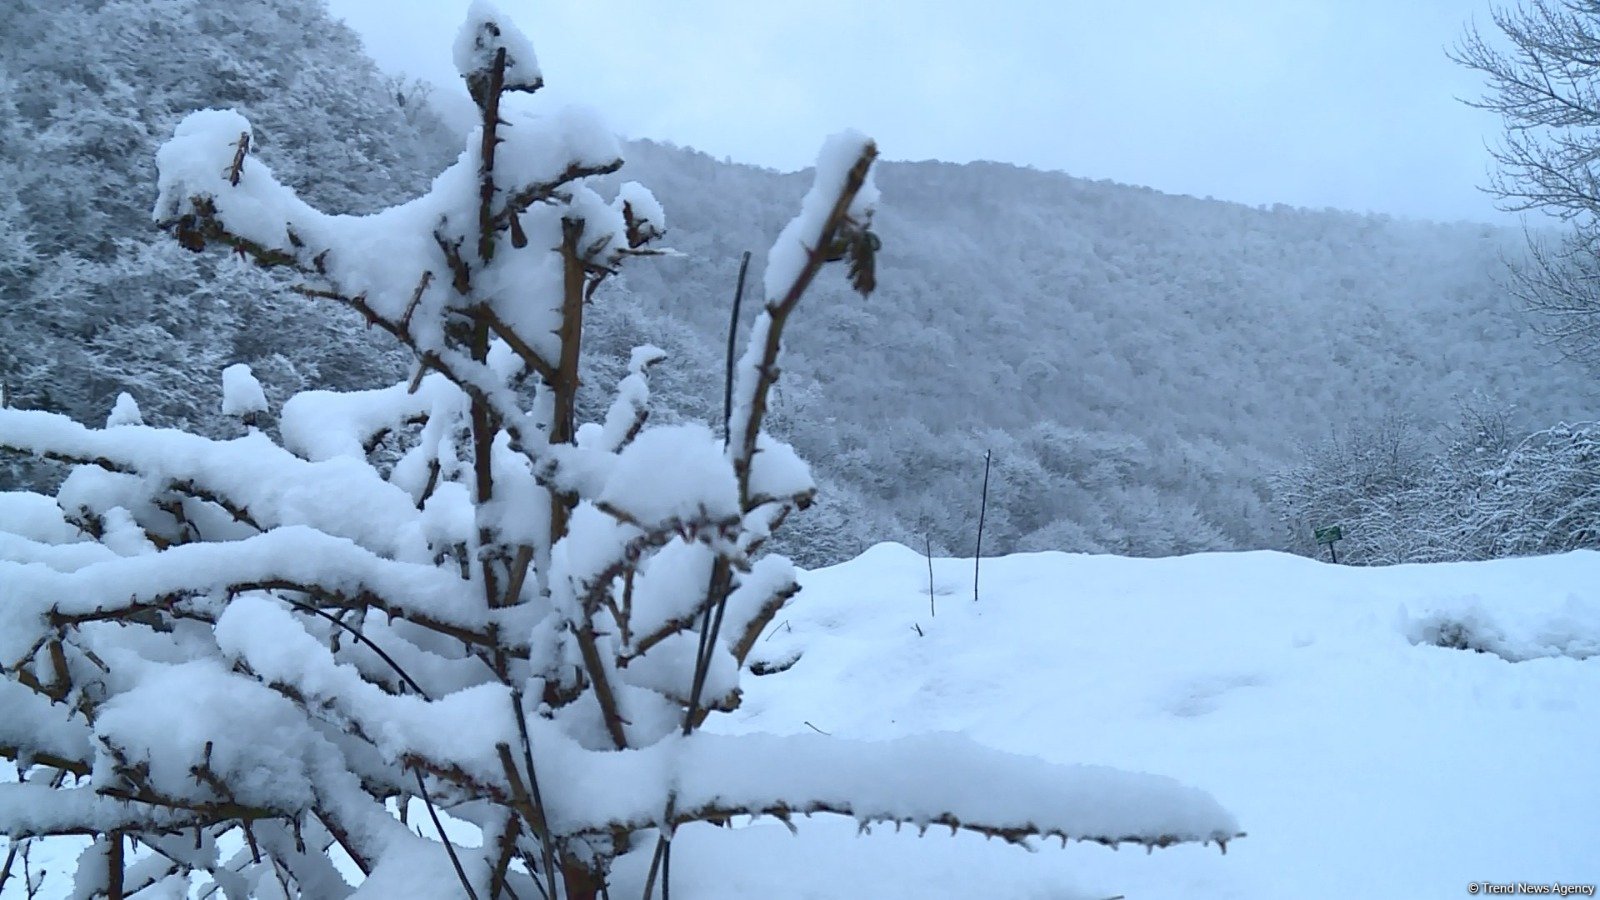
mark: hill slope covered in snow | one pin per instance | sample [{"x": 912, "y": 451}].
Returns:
[{"x": 1138, "y": 362}]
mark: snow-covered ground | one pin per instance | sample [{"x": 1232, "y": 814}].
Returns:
[{"x": 1361, "y": 762}]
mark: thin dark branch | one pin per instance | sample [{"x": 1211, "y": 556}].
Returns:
[
  {"x": 422, "y": 787},
  {"x": 545, "y": 841},
  {"x": 115, "y": 870},
  {"x": 983, "y": 509},
  {"x": 733, "y": 331}
]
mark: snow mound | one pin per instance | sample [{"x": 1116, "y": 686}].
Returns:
[{"x": 1572, "y": 632}]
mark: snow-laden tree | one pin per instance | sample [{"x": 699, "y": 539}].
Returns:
[
  {"x": 245, "y": 662},
  {"x": 1487, "y": 493},
  {"x": 1367, "y": 481},
  {"x": 1543, "y": 81}
]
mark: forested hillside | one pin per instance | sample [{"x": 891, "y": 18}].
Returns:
[
  {"x": 93, "y": 300},
  {"x": 1138, "y": 363}
]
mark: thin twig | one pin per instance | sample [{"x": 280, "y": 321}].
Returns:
[
  {"x": 422, "y": 787},
  {"x": 242, "y": 149},
  {"x": 733, "y": 331},
  {"x": 666, "y": 872},
  {"x": 655, "y": 863},
  {"x": 11, "y": 858},
  {"x": 461, "y": 873},
  {"x": 533, "y": 786}
]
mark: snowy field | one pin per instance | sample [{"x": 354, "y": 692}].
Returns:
[{"x": 1361, "y": 762}]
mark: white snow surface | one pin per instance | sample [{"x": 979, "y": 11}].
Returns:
[
  {"x": 250, "y": 471},
  {"x": 35, "y": 517},
  {"x": 320, "y": 425},
  {"x": 777, "y": 471},
  {"x": 1359, "y": 762},
  {"x": 1304, "y": 698},
  {"x": 675, "y": 472}
]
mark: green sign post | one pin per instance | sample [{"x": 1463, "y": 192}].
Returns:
[{"x": 1327, "y": 534}]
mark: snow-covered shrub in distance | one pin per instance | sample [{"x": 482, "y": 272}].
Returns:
[
  {"x": 1486, "y": 494},
  {"x": 238, "y": 662}
]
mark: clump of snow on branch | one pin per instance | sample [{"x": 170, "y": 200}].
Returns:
[
  {"x": 672, "y": 473},
  {"x": 804, "y": 233},
  {"x": 241, "y": 392},
  {"x": 124, "y": 412},
  {"x": 642, "y": 211},
  {"x": 799, "y": 247},
  {"x": 487, "y": 32}
]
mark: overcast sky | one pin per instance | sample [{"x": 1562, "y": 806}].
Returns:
[{"x": 1344, "y": 103}]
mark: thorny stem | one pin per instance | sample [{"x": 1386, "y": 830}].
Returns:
[
  {"x": 486, "y": 185},
  {"x": 508, "y": 849},
  {"x": 767, "y": 370},
  {"x": 570, "y": 335},
  {"x": 602, "y": 685},
  {"x": 11, "y": 859},
  {"x": 720, "y": 584},
  {"x": 483, "y": 419},
  {"x": 114, "y": 866}
]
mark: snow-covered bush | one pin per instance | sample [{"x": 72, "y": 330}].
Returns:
[
  {"x": 1364, "y": 482},
  {"x": 241, "y": 662},
  {"x": 1486, "y": 493}
]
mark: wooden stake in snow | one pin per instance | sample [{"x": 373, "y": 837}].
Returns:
[
  {"x": 983, "y": 508},
  {"x": 927, "y": 546}
]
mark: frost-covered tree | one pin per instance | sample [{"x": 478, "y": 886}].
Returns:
[
  {"x": 240, "y": 661},
  {"x": 1484, "y": 494},
  {"x": 1368, "y": 481},
  {"x": 1543, "y": 78}
]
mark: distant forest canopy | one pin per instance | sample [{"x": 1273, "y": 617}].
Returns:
[
  {"x": 1140, "y": 364},
  {"x": 95, "y": 300}
]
